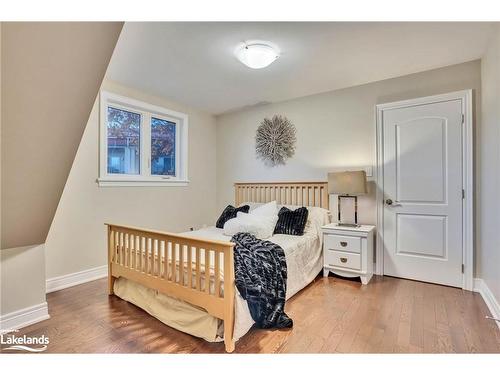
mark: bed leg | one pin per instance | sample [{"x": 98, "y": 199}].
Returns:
[
  {"x": 229, "y": 295},
  {"x": 111, "y": 283},
  {"x": 229, "y": 326},
  {"x": 229, "y": 343},
  {"x": 111, "y": 255},
  {"x": 229, "y": 322}
]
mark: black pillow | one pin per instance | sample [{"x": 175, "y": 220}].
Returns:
[
  {"x": 291, "y": 222},
  {"x": 230, "y": 212}
]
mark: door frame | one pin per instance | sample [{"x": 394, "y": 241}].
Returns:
[{"x": 467, "y": 178}]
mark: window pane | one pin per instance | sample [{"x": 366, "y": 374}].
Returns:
[
  {"x": 124, "y": 140},
  {"x": 162, "y": 147}
]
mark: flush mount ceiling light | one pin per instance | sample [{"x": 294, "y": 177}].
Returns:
[{"x": 256, "y": 55}]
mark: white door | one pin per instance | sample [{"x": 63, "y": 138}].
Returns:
[{"x": 422, "y": 156}]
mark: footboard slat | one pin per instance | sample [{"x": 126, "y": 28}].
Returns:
[
  {"x": 150, "y": 256},
  {"x": 207, "y": 271},
  {"x": 127, "y": 250},
  {"x": 190, "y": 266},
  {"x": 141, "y": 253},
  {"x": 181, "y": 265},
  {"x": 172, "y": 264},
  {"x": 216, "y": 273},
  {"x": 154, "y": 258},
  {"x": 168, "y": 259},
  {"x": 172, "y": 261},
  {"x": 122, "y": 248},
  {"x": 198, "y": 271}
]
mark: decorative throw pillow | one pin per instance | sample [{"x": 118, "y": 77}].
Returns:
[
  {"x": 230, "y": 212},
  {"x": 291, "y": 222}
]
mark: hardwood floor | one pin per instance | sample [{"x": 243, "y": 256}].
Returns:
[{"x": 331, "y": 315}]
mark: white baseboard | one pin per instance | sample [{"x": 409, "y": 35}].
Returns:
[
  {"x": 24, "y": 317},
  {"x": 72, "y": 279},
  {"x": 482, "y": 288}
]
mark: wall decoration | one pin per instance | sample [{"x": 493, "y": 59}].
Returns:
[{"x": 275, "y": 140}]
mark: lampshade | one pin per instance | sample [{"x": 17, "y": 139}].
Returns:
[{"x": 347, "y": 183}]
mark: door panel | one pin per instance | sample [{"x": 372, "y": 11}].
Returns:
[
  {"x": 421, "y": 175},
  {"x": 422, "y": 235},
  {"x": 409, "y": 229}
]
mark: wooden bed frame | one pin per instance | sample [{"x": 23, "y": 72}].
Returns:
[{"x": 160, "y": 260}]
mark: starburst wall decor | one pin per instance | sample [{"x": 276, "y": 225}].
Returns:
[{"x": 275, "y": 140}]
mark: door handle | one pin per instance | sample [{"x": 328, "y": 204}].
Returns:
[{"x": 389, "y": 202}]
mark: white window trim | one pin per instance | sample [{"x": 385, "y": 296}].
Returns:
[{"x": 147, "y": 111}]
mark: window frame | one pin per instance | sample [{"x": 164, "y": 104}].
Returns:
[{"x": 147, "y": 111}]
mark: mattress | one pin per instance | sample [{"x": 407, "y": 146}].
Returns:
[{"x": 304, "y": 262}]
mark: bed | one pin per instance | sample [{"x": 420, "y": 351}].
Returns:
[{"x": 186, "y": 280}]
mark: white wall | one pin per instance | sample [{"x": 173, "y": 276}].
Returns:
[
  {"x": 77, "y": 237},
  {"x": 488, "y": 173},
  {"x": 335, "y": 130},
  {"x": 22, "y": 278}
]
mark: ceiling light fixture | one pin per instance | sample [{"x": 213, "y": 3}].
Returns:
[{"x": 256, "y": 55}]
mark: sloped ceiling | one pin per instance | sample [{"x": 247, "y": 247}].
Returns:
[{"x": 51, "y": 73}]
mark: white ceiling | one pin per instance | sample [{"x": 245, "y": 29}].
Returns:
[{"x": 193, "y": 63}]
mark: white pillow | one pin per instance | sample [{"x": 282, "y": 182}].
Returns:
[
  {"x": 261, "y": 226},
  {"x": 268, "y": 209}
]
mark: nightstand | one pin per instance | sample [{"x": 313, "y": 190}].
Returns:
[{"x": 348, "y": 251}]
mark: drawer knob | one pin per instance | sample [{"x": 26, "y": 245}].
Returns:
[
  {"x": 343, "y": 260},
  {"x": 343, "y": 243}
]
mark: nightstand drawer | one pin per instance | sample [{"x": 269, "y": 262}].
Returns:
[
  {"x": 341, "y": 259},
  {"x": 342, "y": 243}
]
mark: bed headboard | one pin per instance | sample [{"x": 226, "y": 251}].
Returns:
[{"x": 313, "y": 194}]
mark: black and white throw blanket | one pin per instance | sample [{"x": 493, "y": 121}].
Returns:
[{"x": 260, "y": 276}]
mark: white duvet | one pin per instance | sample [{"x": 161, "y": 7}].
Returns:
[{"x": 303, "y": 257}]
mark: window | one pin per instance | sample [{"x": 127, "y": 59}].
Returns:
[
  {"x": 163, "y": 147},
  {"x": 141, "y": 144},
  {"x": 124, "y": 141}
]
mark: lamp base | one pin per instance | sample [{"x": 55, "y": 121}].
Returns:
[{"x": 348, "y": 225}]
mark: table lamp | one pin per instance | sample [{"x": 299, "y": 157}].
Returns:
[{"x": 347, "y": 185}]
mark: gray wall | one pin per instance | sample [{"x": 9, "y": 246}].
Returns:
[
  {"x": 335, "y": 130},
  {"x": 22, "y": 278}
]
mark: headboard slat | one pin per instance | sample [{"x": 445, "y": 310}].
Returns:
[{"x": 313, "y": 194}]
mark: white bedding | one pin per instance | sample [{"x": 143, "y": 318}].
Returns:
[{"x": 303, "y": 257}]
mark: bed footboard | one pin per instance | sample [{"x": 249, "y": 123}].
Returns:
[{"x": 180, "y": 266}]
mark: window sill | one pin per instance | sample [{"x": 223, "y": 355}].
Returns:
[{"x": 107, "y": 182}]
